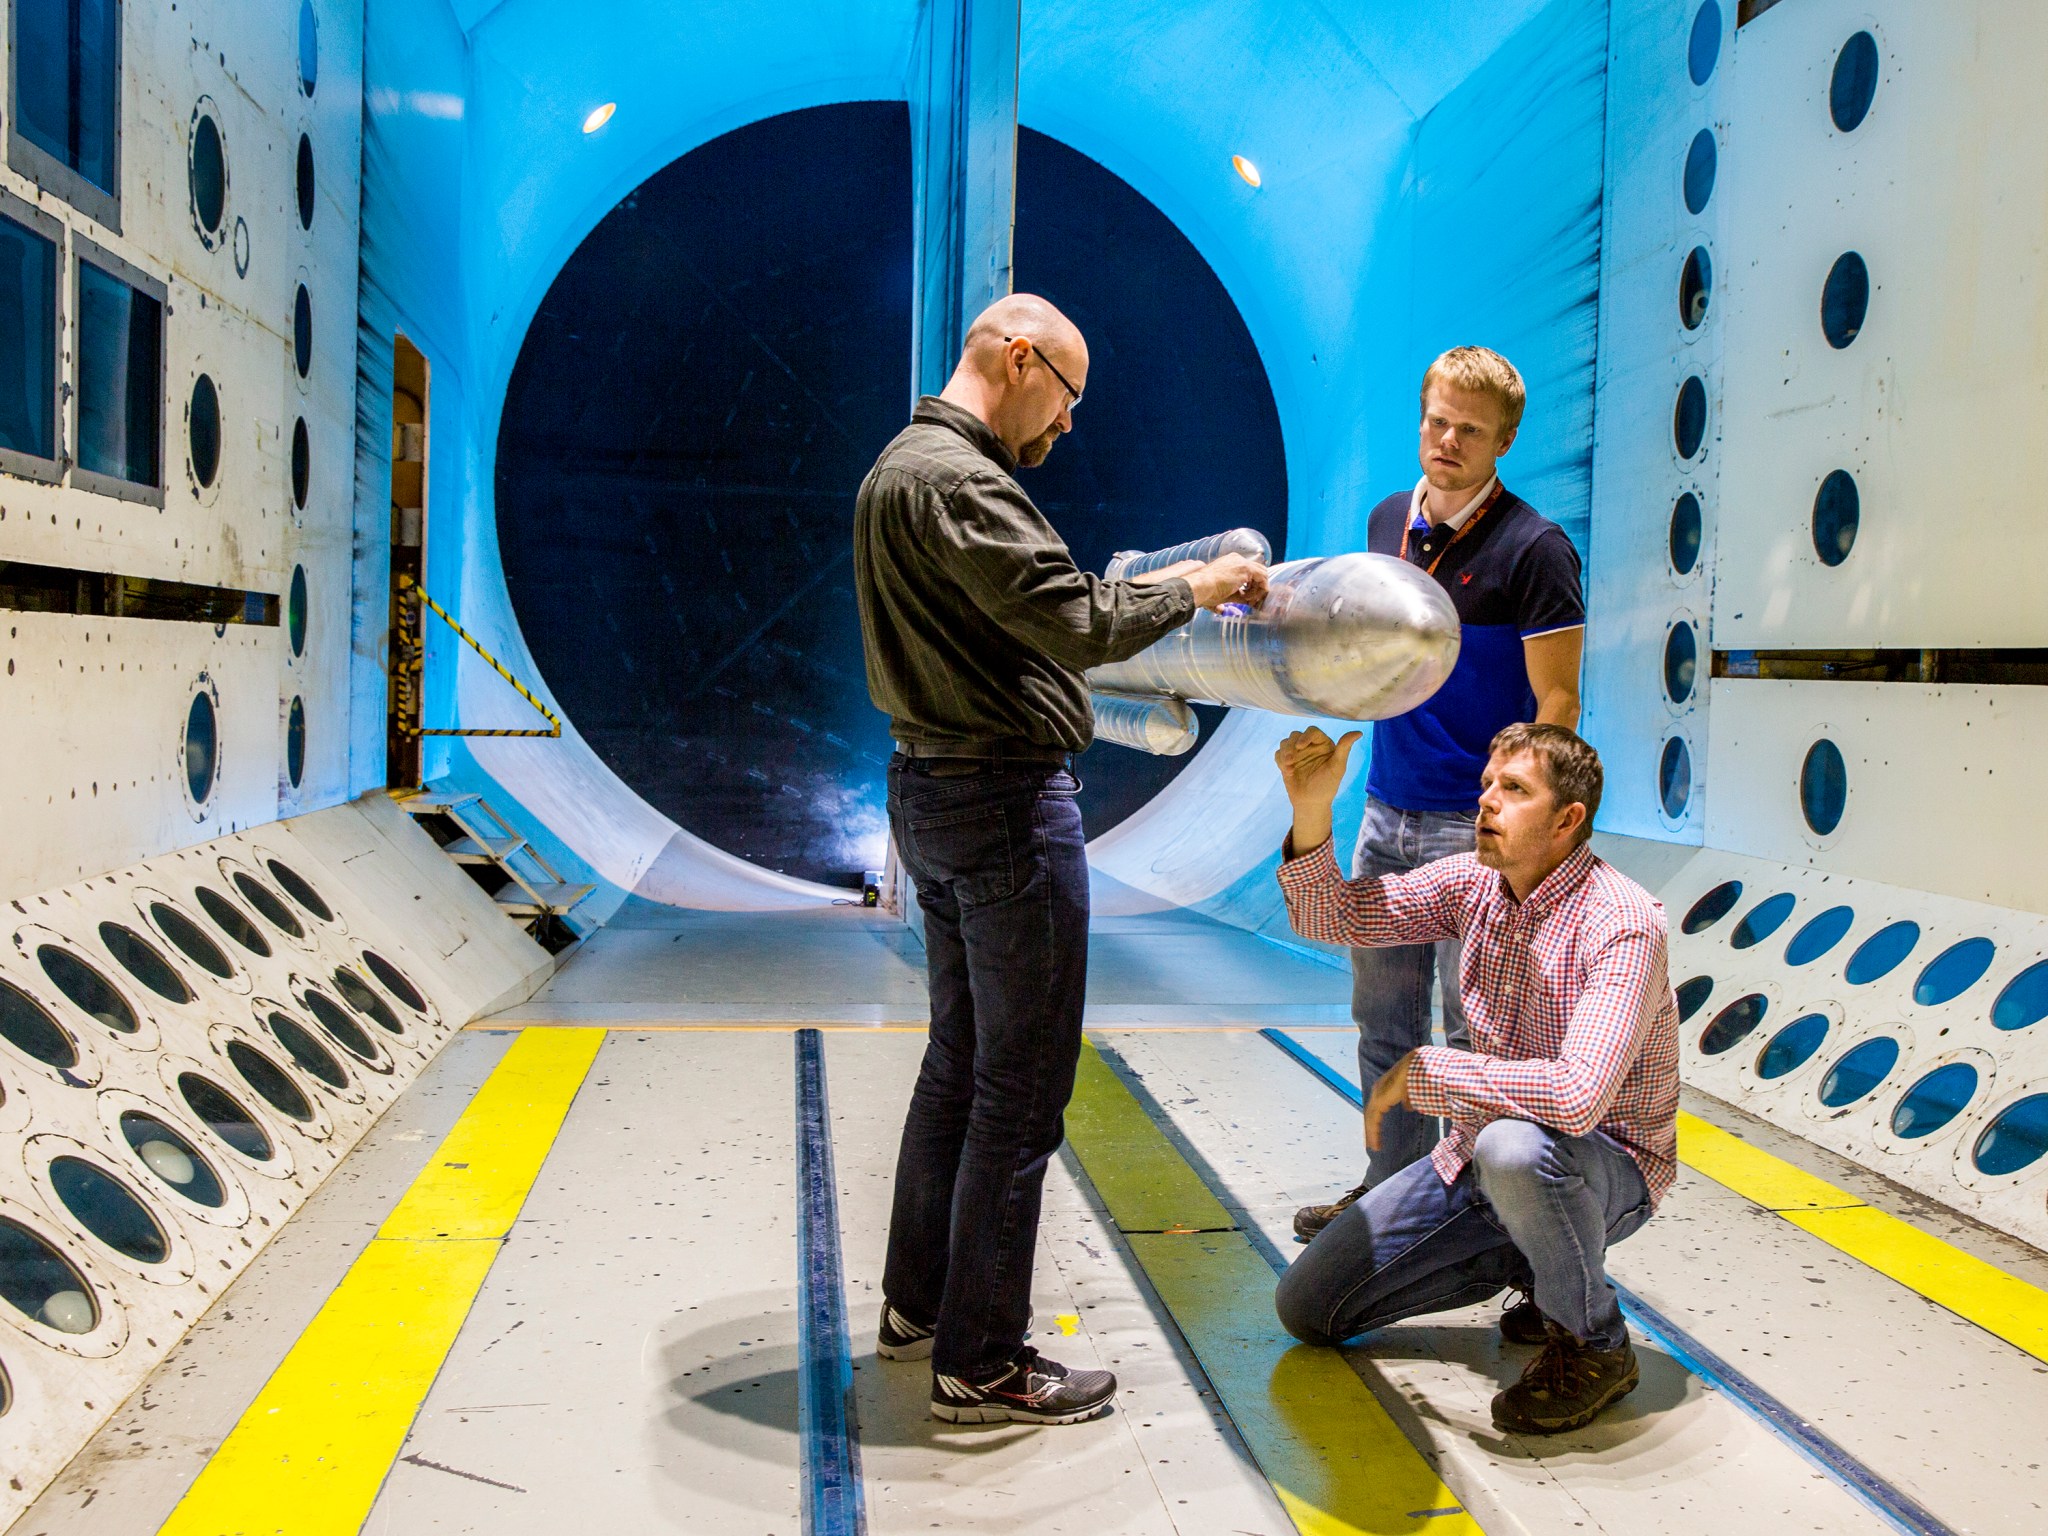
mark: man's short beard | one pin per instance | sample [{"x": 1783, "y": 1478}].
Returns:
[{"x": 1033, "y": 453}]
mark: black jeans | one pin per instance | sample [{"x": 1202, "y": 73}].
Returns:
[{"x": 1001, "y": 868}]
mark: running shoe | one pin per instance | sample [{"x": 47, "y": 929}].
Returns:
[{"x": 1029, "y": 1390}]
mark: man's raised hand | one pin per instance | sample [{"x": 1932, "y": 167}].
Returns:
[{"x": 1312, "y": 766}]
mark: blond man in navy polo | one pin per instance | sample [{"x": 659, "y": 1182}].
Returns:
[{"x": 1513, "y": 576}]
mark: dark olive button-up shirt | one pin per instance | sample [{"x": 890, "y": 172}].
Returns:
[{"x": 976, "y": 622}]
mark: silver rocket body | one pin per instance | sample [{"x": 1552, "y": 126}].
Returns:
[{"x": 1352, "y": 637}]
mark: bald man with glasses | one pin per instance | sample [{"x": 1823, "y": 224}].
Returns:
[{"x": 977, "y": 627}]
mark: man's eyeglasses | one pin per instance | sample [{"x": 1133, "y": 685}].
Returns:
[{"x": 1050, "y": 364}]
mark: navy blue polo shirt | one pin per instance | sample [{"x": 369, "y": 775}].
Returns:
[{"x": 1512, "y": 576}]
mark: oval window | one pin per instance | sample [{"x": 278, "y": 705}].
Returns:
[
  {"x": 1793, "y": 1046},
  {"x": 221, "y": 1114},
  {"x": 202, "y": 431},
  {"x": 1953, "y": 972},
  {"x": 339, "y": 1024},
  {"x": 1734, "y": 1024},
  {"x": 173, "y": 1159},
  {"x": 1881, "y": 953},
  {"x": 1845, "y": 300},
  {"x": 304, "y": 179},
  {"x": 302, "y": 335},
  {"x": 295, "y": 742},
  {"x": 300, "y": 889},
  {"x": 1701, "y": 161},
  {"x": 208, "y": 171},
  {"x": 231, "y": 920},
  {"x": 311, "y": 1056},
  {"x": 1837, "y": 514},
  {"x": 1695, "y": 289},
  {"x": 1674, "y": 777},
  {"x": 1692, "y": 996},
  {"x": 1762, "y": 920},
  {"x": 269, "y": 1080},
  {"x": 108, "y": 1209},
  {"x": 93, "y": 994},
  {"x": 30, "y": 1030},
  {"x": 1689, "y": 417},
  {"x": 269, "y": 904},
  {"x": 360, "y": 996},
  {"x": 1703, "y": 49},
  {"x": 191, "y": 940},
  {"x": 1823, "y": 787},
  {"x": 145, "y": 962},
  {"x": 1681, "y": 663},
  {"x": 202, "y": 747},
  {"x": 1686, "y": 532},
  {"x": 1935, "y": 1100},
  {"x": 2024, "y": 1000},
  {"x": 41, "y": 1284},
  {"x": 1857, "y": 1075},
  {"x": 1853, "y": 85},
  {"x": 395, "y": 981},
  {"x": 2016, "y": 1139},
  {"x": 302, "y": 463},
  {"x": 295, "y": 611},
  {"x": 1712, "y": 907},
  {"x": 309, "y": 48},
  {"x": 1819, "y": 935}
]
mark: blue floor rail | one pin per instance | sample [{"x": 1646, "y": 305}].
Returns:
[
  {"x": 828, "y": 1429},
  {"x": 1896, "y": 1507}
]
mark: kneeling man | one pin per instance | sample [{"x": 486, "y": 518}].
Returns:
[{"x": 1563, "y": 1115}]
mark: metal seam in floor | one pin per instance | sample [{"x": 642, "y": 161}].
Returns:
[
  {"x": 834, "y": 1503},
  {"x": 1892, "y": 1504}
]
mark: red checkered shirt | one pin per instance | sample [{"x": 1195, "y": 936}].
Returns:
[{"x": 1567, "y": 995}]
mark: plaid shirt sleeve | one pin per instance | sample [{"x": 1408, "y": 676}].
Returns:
[
  {"x": 1572, "y": 1092},
  {"x": 1418, "y": 907}
]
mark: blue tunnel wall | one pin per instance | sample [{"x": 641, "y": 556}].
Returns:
[{"x": 1429, "y": 177}]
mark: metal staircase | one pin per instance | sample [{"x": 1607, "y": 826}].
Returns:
[{"x": 525, "y": 886}]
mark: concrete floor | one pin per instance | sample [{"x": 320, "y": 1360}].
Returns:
[{"x": 630, "y": 1363}]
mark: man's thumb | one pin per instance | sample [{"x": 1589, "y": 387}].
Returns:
[{"x": 1344, "y": 749}]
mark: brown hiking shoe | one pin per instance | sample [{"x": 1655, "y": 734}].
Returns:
[
  {"x": 1311, "y": 1219},
  {"x": 1522, "y": 1322},
  {"x": 1566, "y": 1386}
]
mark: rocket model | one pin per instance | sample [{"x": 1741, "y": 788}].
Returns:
[{"x": 1349, "y": 637}]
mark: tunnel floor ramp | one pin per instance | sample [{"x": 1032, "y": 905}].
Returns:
[{"x": 569, "y": 1282}]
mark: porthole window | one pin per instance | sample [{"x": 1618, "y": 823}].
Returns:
[
  {"x": 145, "y": 962},
  {"x": 1692, "y": 996},
  {"x": 1953, "y": 972},
  {"x": 1695, "y": 289},
  {"x": 232, "y": 921},
  {"x": 300, "y": 889},
  {"x": 202, "y": 431},
  {"x": 108, "y": 1209},
  {"x": 359, "y": 996},
  {"x": 2024, "y": 1000},
  {"x": 1837, "y": 512},
  {"x": 1853, "y": 85},
  {"x": 92, "y": 993},
  {"x": 41, "y": 1284},
  {"x": 1701, "y": 161},
  {"x": 309, "y": 48},
  {"x": 267, "y": 902},
  {"x": 1762, "y": 920},
  {"x": 295, "y": 742},
  {"x": 269, "y": 1080},
  {"x": 1734, "y": 1024},
  {"x": 221, "y": 1114},
  {"x": 191, "y": 940},
  {"x": 395, "y": 981},
  {"x": 1935, "y": 1100},
  {"x": 1819, "y": 935},
  {"x": 305, "y": 182},
  {"x": 1793, "y": 1046},
  {"x": 173, "y": 1159},
  {"x": 312, "y": 1057},
  {"x": 207, "y": 174},
  {"x": 1703, "y": 50},
  {"x": 295, "y": 611},
  {"x": 1674, "y": 777},
  {"x": 302, "y": 463},
  {"x": 1681, "y": 662},
  {"x": 1689, "y": 418},
  {"x": 1881, "y": 953},
  {"x": 202, "y": 744},
  {"x": 31, "y": 1031},
  {"x": 1686, "y": 532},
  {"x": 1823, "y": 787},
  {"x": 302, "y": 336},
  {"x": 1845, "y": 300},
  {"x": 1712, "y": 907},
  {"x": 1858, "y": 1074},
  {"x": 339, "y": 1024},
  {"x": 2016, "y": 1139}
]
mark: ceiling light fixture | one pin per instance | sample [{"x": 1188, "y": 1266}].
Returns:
[
  {"x": 1246, "y": 169},
  {"x": 600, "y": 117}
]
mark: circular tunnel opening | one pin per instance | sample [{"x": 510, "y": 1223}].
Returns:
[{"x": 701, "y": 392}]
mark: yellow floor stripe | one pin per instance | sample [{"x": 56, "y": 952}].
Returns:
[
  {"x": 1337, "y": 1461},
  {"x": 1982, "y": 1293},
  {"x": 310, "y": 1454}
]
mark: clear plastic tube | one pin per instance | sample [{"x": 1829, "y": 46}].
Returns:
[
  {"x": 1237, "y": 541},
  {"x": 1162, "y": 726}
]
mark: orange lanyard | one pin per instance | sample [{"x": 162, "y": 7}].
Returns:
[{"x": 1463, "y": 528}]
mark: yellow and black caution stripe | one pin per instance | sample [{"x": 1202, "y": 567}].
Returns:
[{"x": 408, "y": 585}]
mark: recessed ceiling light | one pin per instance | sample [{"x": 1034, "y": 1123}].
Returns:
[
  {"x": 1246, "y": 169},
  {"x": 603, "y": 115}
]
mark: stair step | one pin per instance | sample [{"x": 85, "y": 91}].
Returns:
[
  {"x": 483, "y": 850},
  {"x": 554, "y": 897},
  {"x": 431, "y": 804}
]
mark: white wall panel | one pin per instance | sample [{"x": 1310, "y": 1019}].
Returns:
[
  {"x": 1634, "y": 595},
  {"x": 1938, "y": 783},
  {"x": 1939, "y": 407}
]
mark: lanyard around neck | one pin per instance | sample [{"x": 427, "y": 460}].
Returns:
[{"x": 1463, "y": 528}]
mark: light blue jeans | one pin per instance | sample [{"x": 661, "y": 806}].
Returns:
[
  {"x": 1390, "y": 987},
  {"x": 1533, "y": 1209}
]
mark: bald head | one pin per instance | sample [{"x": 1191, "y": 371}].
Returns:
[{"x": 1022, "y": 369}]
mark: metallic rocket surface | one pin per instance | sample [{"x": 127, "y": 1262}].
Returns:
[{"x": 1354, "y": 637}]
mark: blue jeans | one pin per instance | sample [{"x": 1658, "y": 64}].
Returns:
[
  {"x": 1001, "y": 868},
  {"x": 1390, "y": 987},
  {"x": 1533, "y": 1209}
]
